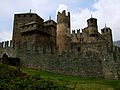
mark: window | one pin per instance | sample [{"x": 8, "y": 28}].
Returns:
[
  {"x": 102, "y": 31},
  {"x": 91, "y": 20},
  {"x": 24, "y": 15},
  {"x": 106, "y": 30},
  {"x": 79, "y": 49},
  {"x": 30, "y": 15},
  {"x": 82, "y": 39}
]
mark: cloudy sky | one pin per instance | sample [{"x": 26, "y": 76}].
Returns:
[{"x": 106, "y": 11}]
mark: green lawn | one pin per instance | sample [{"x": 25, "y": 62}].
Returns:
[{"x": 77, "y": 83}]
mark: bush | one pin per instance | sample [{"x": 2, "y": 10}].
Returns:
[{"x": 11, "y": 79}]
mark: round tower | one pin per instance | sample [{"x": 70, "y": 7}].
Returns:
[
  {"x": 107, "y": 34},
  {"x": 92, "y": 26},
  {"x": 63, "y": 32}
]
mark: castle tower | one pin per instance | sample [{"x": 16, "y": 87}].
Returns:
[
  {"x": 50, "y": 28},
  {"x": 107, "y": 34},
  {"x": 63, "y": 32},
  {"x": 92, "y": 27},
  {"x": 19, "y": 21}
]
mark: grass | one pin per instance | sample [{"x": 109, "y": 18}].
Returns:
[{"x": 79, "y": 83}]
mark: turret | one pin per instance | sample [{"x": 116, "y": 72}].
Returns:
[
  {"x": 50, "y": 27},
  {"x": 92, "y": 26},
  {"x": 63, "y": 18},
  {"x": 63, "y": 31},
  {"x": 107, "y": 34},
  {"x": 21, "y": 20}
]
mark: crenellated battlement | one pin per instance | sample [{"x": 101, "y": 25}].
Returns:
[
  {"x": 6, "y": 44},
  {"x": 77, "y": 35},
  {"x": 77, "y": 31},
  {"x": 63, "y": 13},
  {"x": 63, "y": 18},
  {"x": 50, "y": 23},
  {"x": 73, "y": 31}
]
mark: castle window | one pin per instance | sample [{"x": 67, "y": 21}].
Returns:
[
  {"x": 102, "y": 31},
  {"x": 106, "y": 30},
  {"x": 79, "y": 49},
  {"x": 24, "y": 15},
  {"x": 30, "y": 15},
  {"x": 91, "y": 21},
  {"x": 82, "y": 40}
]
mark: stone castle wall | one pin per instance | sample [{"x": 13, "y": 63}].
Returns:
[
  {"x": 6, "y": 47},
  {"x": 89, "y": 63},
  {"x": 86, "y": 54}
]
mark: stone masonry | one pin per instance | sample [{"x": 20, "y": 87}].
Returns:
[{"x": 49, "y": 45}]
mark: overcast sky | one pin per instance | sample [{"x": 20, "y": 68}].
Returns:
[{"x": 106, "y": 11}]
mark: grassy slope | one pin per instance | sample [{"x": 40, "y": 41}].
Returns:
[
  {"x": 12, "y": 79},
  {"x": 78, "y": 82}
]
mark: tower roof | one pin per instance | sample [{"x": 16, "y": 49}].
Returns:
[
  {"x": 91, "y": 18},
  {"x": 106, "y": 27},
  {"x": 29, "y": 13}
]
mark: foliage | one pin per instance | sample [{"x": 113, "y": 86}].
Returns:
[
  {"x": 31, "y": 79},
  {"x": 80, "y": 83},
  {"x": 11, "y": 79}
]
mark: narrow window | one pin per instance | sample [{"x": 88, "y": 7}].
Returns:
[
  {"x": 102, "y": 31},
  {"x": 24, "y": 15},
  {"x": 79, "y": 49},
  {"x": 30, "y": 15},
  {"x": 106, "y": 30}
]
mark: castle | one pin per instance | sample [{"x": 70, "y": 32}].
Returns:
[{"x": 50, "y": 46}]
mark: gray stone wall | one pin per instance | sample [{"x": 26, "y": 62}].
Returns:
[
  {"x": 85, "y": 64},
  {"x": 6, "y": 47}
]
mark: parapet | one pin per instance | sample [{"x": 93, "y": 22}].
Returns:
[
  {"x": 24, "y": 18},
  {"x": 63, "y": 18},
  {"x": 78, "y": 31},
  {"x": 92, "y": 22},
  {"x": 50, "y": 23},
  {"x": 73, "y": 31},
  {"x": 6, "y": 44}
]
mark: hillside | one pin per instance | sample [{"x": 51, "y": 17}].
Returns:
[
  {"x": 117, "y": 43},
  {"x": 30, "y": 79},
  {"x": 78, "y": 83},
  {"x": 11, "y": 79}
]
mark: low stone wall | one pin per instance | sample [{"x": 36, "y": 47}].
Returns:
[
  {"x": 85, "y": 65},
  {"x": 9, "y": 51}
]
